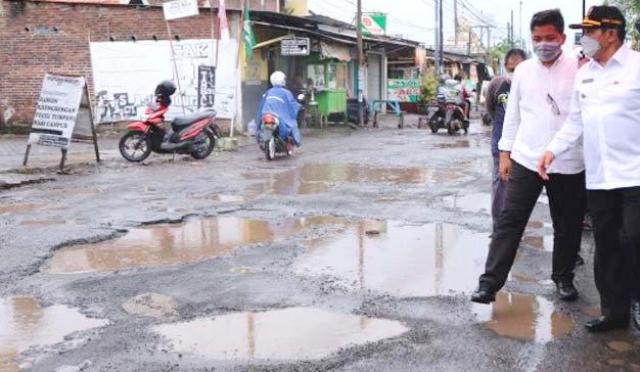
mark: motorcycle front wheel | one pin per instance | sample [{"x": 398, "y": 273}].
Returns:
[
  {"x": 135, "y": 146},
  {"x": 203, "y": 145}
]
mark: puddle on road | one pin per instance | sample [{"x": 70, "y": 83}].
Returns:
[
  {"x": 319, "y": 178},
  {"x": 17, "y": 208},
  {"x": 287, "y": 334},
  {"x": 472, "y": 202},
  {"x": 544, "y": 243},
  {"x": 24, "y": 323},
  {"x": 524, "y": 317},
  {"x": 168, "y": 244},
  {"x": 403, "y": 260}
]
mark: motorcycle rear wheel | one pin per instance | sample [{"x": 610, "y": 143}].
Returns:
[
  {"x": 135, "y": 146},
  {"x": 204, "y": 149},
  {"x": 270, "y": 149}
]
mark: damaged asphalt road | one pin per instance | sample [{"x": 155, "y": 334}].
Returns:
[{"x": 358, "y": 254}]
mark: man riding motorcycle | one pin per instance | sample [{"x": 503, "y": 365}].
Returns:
[{"x": 279, "y": 101}]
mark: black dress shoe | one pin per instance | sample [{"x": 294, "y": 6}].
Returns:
[
  {"x": 483, "y": 296},
  {"x": 604, "y": 324},
  {"x": 579, "y": 261},
  {"x": 635, "y": 313},
  {"x": 567, "y": 291}
]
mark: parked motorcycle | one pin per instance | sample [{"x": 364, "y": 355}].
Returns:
[{"x": 194, "y": 134}]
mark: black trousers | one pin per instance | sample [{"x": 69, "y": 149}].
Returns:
[
  {"x": 567, "y": 202},
  {"x": 615, "y": 215}
]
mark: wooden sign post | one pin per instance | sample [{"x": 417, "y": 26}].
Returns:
[{"x": 63, "y": 114}]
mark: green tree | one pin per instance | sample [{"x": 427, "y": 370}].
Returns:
[{"x": 498, "y": 52}]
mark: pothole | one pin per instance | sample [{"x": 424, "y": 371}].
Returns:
[
  {"x": 24, "y": 323},
  {"x": 320, "y": 178},
  {"x": 524, "y": 317},
  {"x": 287, "y": 334},
  {"x": 169, "y": 244},
  {"x": 403, "y": 260}
]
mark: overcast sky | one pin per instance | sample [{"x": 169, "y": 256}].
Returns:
[{"x": 415, "y": 19}]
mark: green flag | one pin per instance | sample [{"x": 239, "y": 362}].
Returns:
[{"x": 248, "y": 38}]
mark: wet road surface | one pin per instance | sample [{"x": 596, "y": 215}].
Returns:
[{"x": 358, "y": 254}]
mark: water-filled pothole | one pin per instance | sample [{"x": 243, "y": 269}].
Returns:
[
  {"x": 286, "y": 334},
  {"x": 404, "y": 260},
  {"x": 524, "y": 317},
  {"x": 168, "y": 244},
  {"x": 25, "y": 323},
  {"x": 319, "y": 178}
]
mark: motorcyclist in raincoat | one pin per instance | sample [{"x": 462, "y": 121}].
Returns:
[{"x": 279, "y": 101}]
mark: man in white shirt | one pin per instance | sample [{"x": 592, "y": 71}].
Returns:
[
  {"x": 605, "y": 116},
  {"x": 538, "y": 106}
]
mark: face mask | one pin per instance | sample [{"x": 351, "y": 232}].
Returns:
[
  {"x": 547, "y": 51},
  {"x": 590, "y": 46},
  {"x": 509, "y": 74}
]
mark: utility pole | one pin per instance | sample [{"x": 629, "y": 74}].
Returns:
[
  {"x": 512, "y": 33},
  {"x": 584, "y": 8},
  {"x": 520, "y": 23},
  {"x": 361, "y": 66},
  {"x": 440, "y": 39},
  {"x": 455, "y": 20},
  {"x": 509, "y": 34},
  {"x": 469, "y": 43}
]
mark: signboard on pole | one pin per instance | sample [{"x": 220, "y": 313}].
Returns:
[
  {"x": 63, "y": 113},
  {"x": 56, "y": 111},
  {"x": 180, "y": 9},
  {"x": 296, "y": 46},
  {"x": 374, "y": 24}
]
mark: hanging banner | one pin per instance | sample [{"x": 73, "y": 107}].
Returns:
[
  {"x": 56, "y": 111},
  {"x": 206, "y": 86}
]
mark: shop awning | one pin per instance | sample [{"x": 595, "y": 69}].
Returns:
[{"x": 338, "y": 52}]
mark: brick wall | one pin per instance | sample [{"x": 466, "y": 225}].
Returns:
[{"x": 39, "y": 37}]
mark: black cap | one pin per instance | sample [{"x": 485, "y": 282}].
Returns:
[{"x": 602, "y": 16}]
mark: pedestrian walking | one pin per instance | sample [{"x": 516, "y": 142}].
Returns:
[
  {"x": 605, "y": 116},
  {"x": 497, "y": 98},
  {"x": 538, "y": 106}
]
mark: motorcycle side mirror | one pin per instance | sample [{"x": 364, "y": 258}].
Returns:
[{"x": 301, "y": 97}]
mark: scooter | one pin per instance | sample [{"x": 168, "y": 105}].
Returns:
[
  {"x": 270, "y": 142},
  {"x": 194, "y": 135},
  {"x": 269, "y": 139},
  {"x": 455, "y": 118},
  {"x": 437, "y": 120}
]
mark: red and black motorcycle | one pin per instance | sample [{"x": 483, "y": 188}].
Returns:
[{"x": 193, "y": 135}]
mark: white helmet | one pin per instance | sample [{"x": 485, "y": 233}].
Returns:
[{"x": 278, "y": 78}]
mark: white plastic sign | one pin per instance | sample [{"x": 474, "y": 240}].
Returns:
[
  {"x": 57, "y": 110},
  {"x": 180, "y": 9}
]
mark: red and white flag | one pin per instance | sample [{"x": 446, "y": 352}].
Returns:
[{"x": 222, "y": 20}]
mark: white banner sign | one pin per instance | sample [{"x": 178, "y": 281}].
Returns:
[
  {"x": 180, "y": 9},
  {"x": 124, "y": 78},
  {"x": 57, "y": 110}
]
